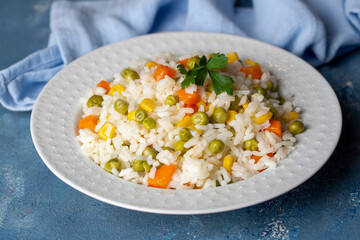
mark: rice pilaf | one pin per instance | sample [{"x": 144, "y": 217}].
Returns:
[{"x": 144, "y": 126}]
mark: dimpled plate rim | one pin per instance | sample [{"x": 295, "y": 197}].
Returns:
[{"x": 56, "y": 112}]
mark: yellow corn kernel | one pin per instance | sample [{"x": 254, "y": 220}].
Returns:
[
  {"x": 245, "y": 105},
  {"x": 232, "y": 57},
  {"x": 231, "y": 116},
  {"x": 107, "y": 131},
  {"x": 207, "y": 94},
  {"x": 228, "y": 163},
  {"x": 249, "y": 62},
  {"x": 264, "y": 118},
  {"x": 192, "y": 127},
  {"x": 131, "y": 116},
  {"x": 151, "y": 64},
  {"x": 212, "y": 109},
  {"x": 116, "y": 88},
  {"x": 148, "y": 105},
  {"x": 201, "y": 103},
  {"x": 185, "y": 122},
  {"x": 288, "y": 117}
]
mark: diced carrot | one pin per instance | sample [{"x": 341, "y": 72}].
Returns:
[
  {"x": 161, "y": 71},
  {"x": 257, "y": 158},
  {"x": 254, "y": 71},
  {"x": 104, "y": 84},
  {"x": 183, "y": 62},
  {"x": 188, "y": 98},
  {"x": 193, "y": 107},
  {"x": 88, "y": 122},
  {"x": 162, "y": 176},
  {"x": 275, "y": 127}
]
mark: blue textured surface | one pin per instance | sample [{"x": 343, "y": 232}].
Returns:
[{"x": 35, "y": 204}]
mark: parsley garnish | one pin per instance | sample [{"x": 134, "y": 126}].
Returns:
[{"x": 198, "y": 74}]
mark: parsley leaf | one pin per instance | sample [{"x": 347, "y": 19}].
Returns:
[
  {"x": 188, "y": 79},
  {"x": 199, "y": 73},
  {"x": 201, "y": 76},
  {"x": 217, "y": 61},
  {"x": 221, "y": 83},
  {"x": 181, "y": 69}
]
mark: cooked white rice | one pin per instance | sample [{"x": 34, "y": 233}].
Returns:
[{"x": 198, "y": 167}]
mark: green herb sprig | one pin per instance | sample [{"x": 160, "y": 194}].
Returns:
[{"x": 198, "y": 74}]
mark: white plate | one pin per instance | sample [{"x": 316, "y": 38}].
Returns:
[{"x": 56, "y": 113}]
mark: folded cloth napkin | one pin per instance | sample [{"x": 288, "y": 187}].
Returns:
[{"x": 317, "y": 31}]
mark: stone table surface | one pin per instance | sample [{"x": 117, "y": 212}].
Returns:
[{"x": 35, "y": 204}]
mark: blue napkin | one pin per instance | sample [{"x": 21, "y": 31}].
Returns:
[{"x": 317, "y": 31}]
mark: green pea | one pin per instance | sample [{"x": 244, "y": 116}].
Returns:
[
  {"x": 270, "y": 85},
  {"x": 95, "y": 101},
  {"x": 150, "y": 151},
  {"x": 179, "y": 146},
  {"x": 216, "y": 146},
  {"x": 261, "y": 91},
  {"x": 232, "y": 131},
  {"x": 129, "y": 74},
  {"x": 146, "y": 166},
  {"x": 171, "y": 100},
  {"x": 140, "y": 115},
  {"x": 210, "y": 88},
  {"x": 220, "y": 115},
  {"x": 192, "y": 62},
  {"x": 112, "y": 163},
  {"x": 149, "y": 123},
  {"x": 296, "y": 127},
  {"x": 185, "y": 134},
  {"x": 281, "y": 100},
  {"x": 200, "y": 118},
  {"x": 251, "y": 144},
  {"x": 138, "y": 166},
  {"x": 121, "y": 106},
  {"x": 234, "y": 105},
  {"x": 273, "y": 111}
]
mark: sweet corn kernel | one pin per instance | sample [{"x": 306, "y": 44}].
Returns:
[
  {"x": 151, "y": 64},
  {"x": 264, "y": 118},
  {"x": 201, "y": 103},
  {"x": 148, "y": 105},
  {"x": 228, "y": 163},
  {"x": 107, "y": 131},
  {"x": 232, "y": 57},
  {"x": 211, "y": 108},
  {"x": 231, "y": 116},
  {"x": 185, "y": 122},
  {"x": 288, "y": 117},
  {"x": 116, "y": 88},
  {"x": 249, "y": 62},
  {"x": 131, "y": 116},
  {"x": 245, "y": 105}
]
